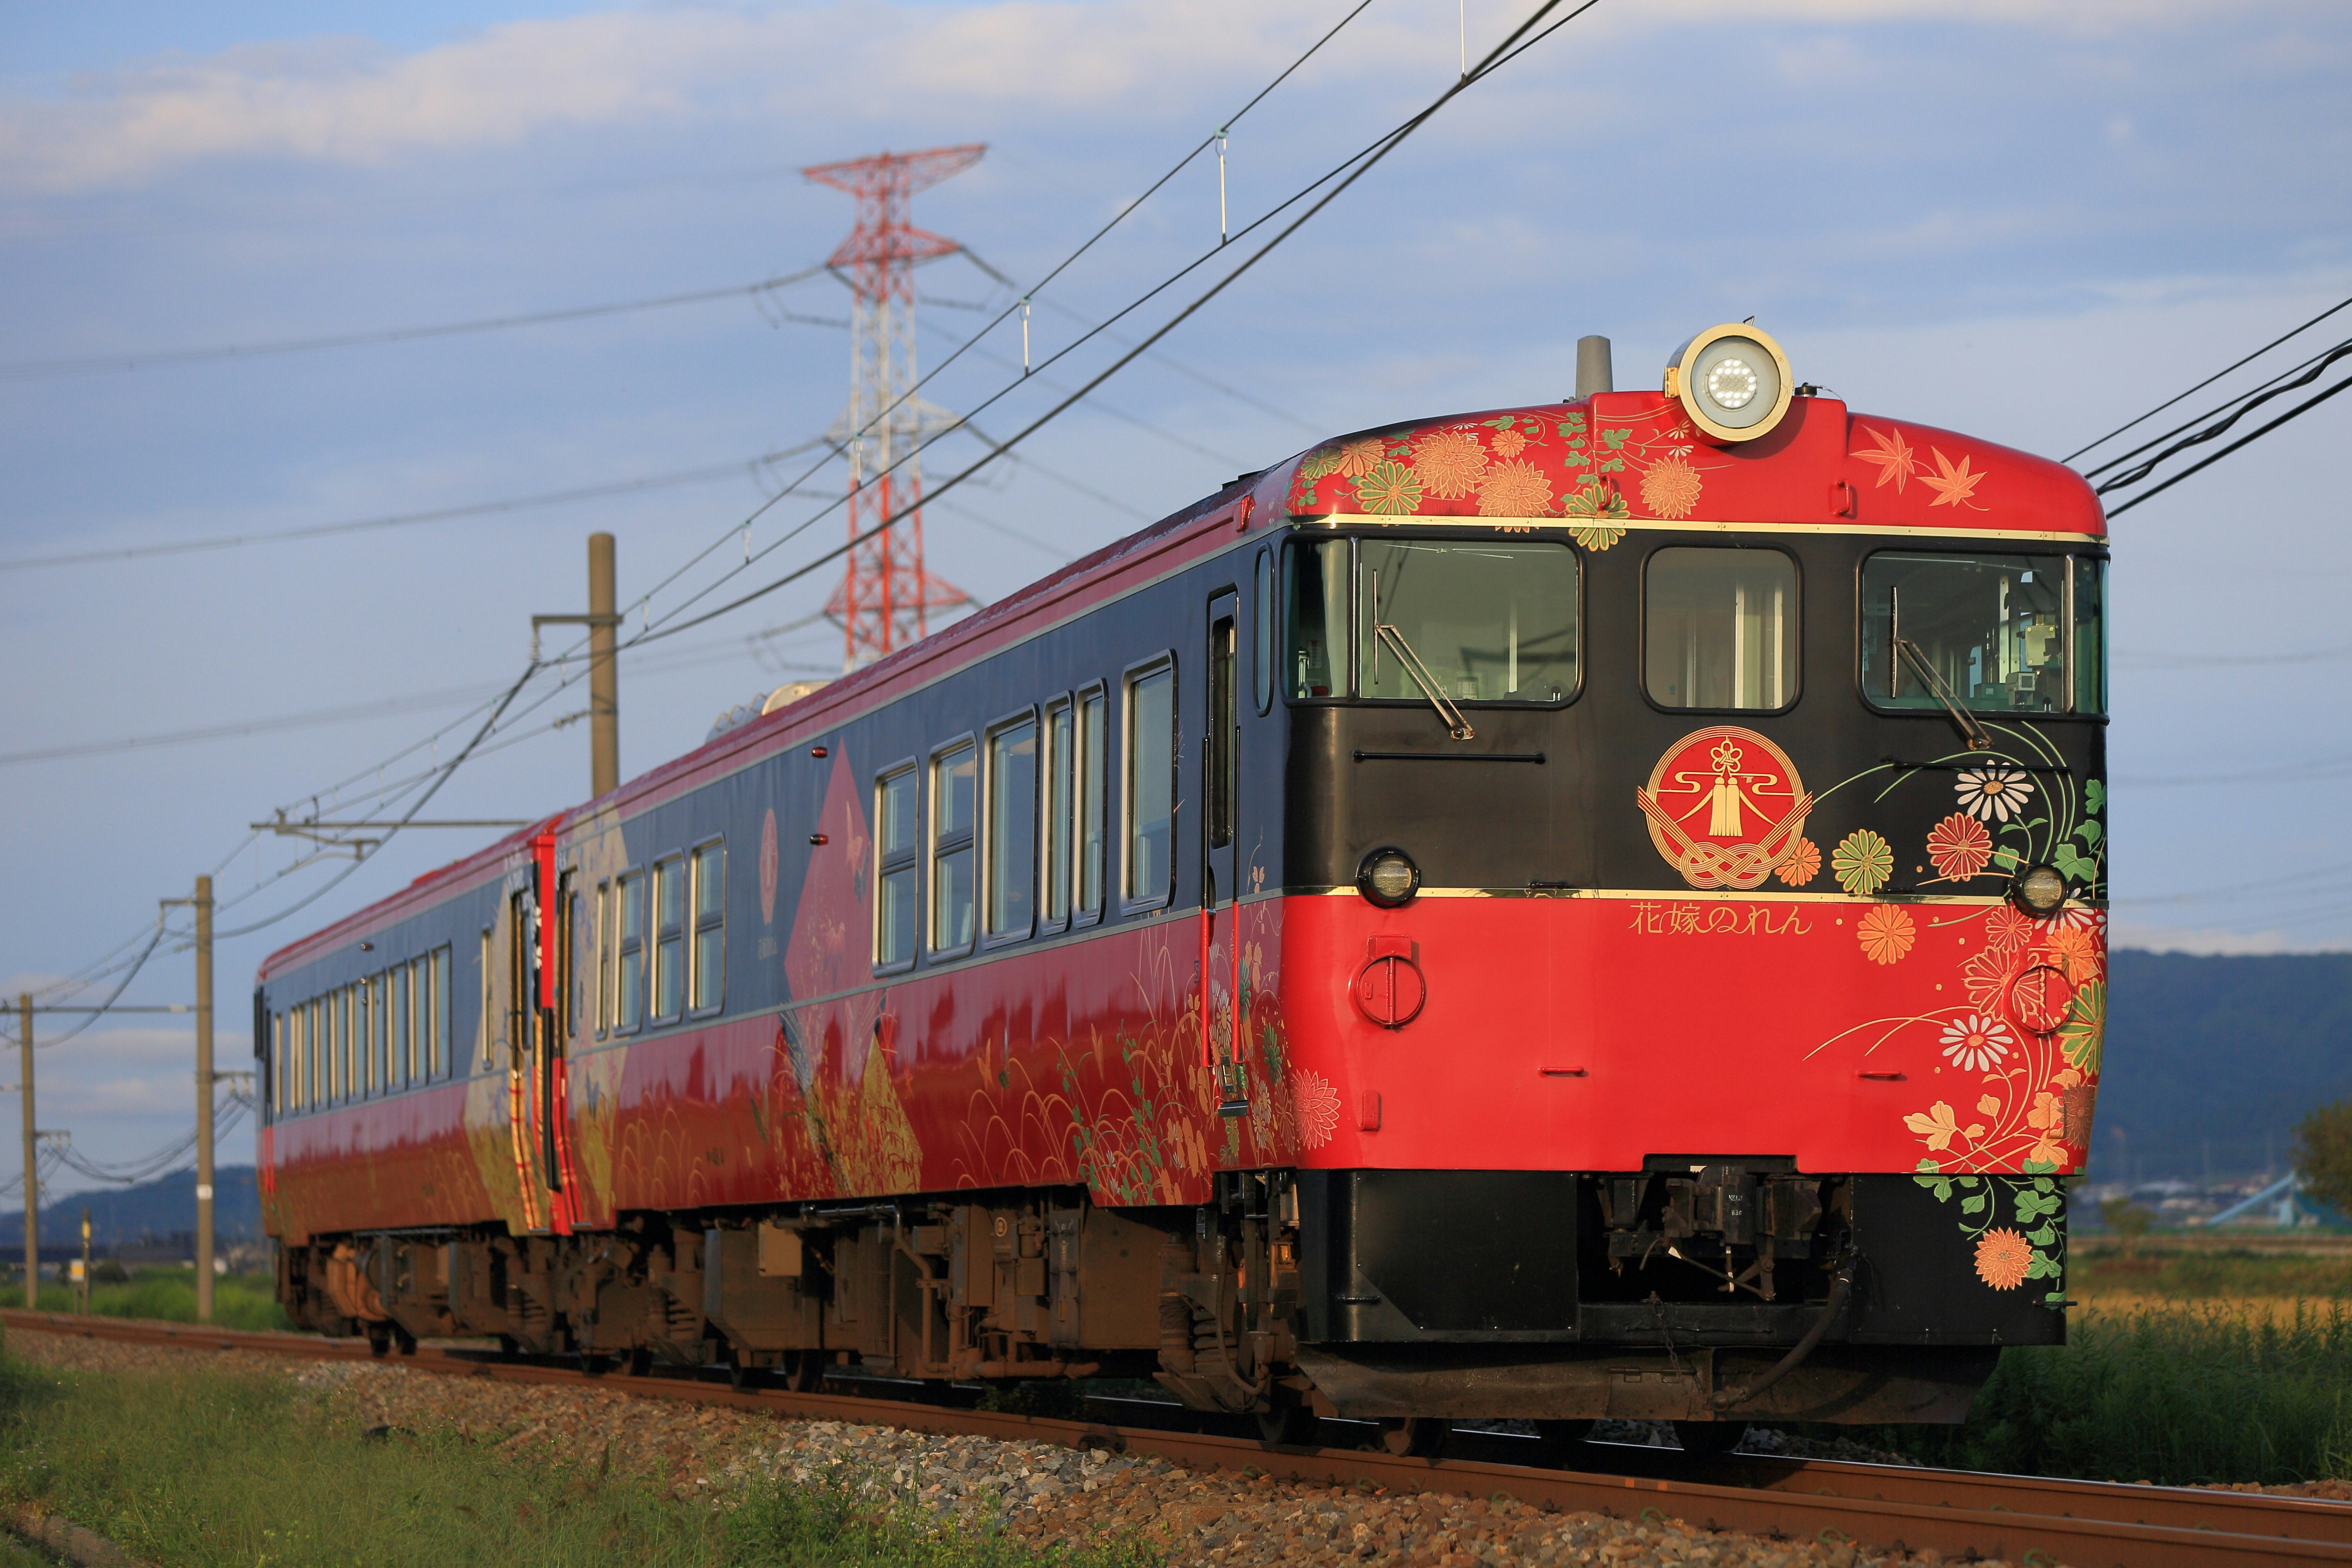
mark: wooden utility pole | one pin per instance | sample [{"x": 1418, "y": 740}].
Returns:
[
  {"x": 203, "y": 1100},
  {"x": 32, "y": 1181},
  {"x": 604, "y": 679}
]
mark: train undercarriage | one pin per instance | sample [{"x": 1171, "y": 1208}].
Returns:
[{"x": 1700, "y": 1289}]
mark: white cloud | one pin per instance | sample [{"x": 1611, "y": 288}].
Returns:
[
  {"x": 2214, "y": 942},
  {"x": 348, "y": 100}
]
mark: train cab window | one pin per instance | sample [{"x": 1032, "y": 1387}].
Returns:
[
  {"x": 896, "y": 842},
  {"x": 709, "y": 985},
  {"x": 1317, "y": 614},
  {"x": 1012, "y": 850},
  {"x": 1485, "y": 622},
  {"x": 1094, "y": 773},
  {"x": 1150, "y": 795},
  {"x": 1719, "y": 629},
  {"x": 1994, "y": 633},
  {"x": 1261, "y": 630},
  {"x": 669, "y": 939},
  {"x": 953, "y": 789},
  {"x": 1060, "y": 838},
  {"x": 629, "y": 1007}
]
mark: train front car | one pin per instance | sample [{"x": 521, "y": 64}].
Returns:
[{"x": 1693, "y": 954}]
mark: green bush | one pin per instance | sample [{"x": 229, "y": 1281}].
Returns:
[
  {"x": 2183, "y": 1396},
  {"x": 169, "y": 1295}
]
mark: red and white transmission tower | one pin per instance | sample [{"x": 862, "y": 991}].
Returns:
[{"x": 886, "y": 598}]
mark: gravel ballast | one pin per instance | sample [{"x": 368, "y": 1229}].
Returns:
[{"x": 1034, "y": 1490}]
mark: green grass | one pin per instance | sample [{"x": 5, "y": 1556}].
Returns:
[
  {"x": 169, "y": 1295},
  {"x": 2184, "y": 1395},
  {"x": 2208, "y": 1273},
  {"x": 220, "y": 1468}
]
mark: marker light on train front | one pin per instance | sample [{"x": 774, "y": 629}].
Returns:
[
  {"x": 1733, "y": 381},
  {"x": 2039, "y": 890},
  {"x": 1387, "y": 877}
]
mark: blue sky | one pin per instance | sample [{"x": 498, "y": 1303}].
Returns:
[{"x": 2025, "y": 221}]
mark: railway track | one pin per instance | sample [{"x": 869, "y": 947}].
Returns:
[{"x": 2023, "y": 1520}]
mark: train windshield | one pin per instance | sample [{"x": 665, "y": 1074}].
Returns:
[
  {"x": 1484, "y": 622},
  {"x": 1998, "y": 634}
]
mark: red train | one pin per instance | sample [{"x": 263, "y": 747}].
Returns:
[{"x": 1583, "y": 909}]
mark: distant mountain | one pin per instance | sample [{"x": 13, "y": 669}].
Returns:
[
  {"x": 2216, "y": 1059},
  {"x": 149, "y": 1211}
]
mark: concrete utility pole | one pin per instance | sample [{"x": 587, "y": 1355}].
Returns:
[
  {"x": 32, "y": 1182},
  {"x": 203, "y": 1100},
  {"x": 604, "y": 677}
]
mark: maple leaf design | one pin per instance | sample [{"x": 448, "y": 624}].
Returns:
[
  {"x": 1894, "y": 458},
  {"x": 1953, "y": 485}
]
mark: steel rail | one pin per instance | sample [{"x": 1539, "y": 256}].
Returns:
[{"x": 2087, "y": 1524}]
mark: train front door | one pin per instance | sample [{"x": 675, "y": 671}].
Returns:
[
  {"x": 1221, "y": 1029},
  {"x": 538, "y": 941}
]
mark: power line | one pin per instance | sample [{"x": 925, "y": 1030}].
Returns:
[
  {"x": 2300, "y": 409},
  {"x": 407, "y": 518},
  {"x": 312, "y": 719},
  {"x": 2209, "y": 381},
  {"x": 30, "y": 370}
]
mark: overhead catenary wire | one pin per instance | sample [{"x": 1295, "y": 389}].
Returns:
[
  {"x": 27, "y": 369},
  {"x": 2225, "y": 370}
]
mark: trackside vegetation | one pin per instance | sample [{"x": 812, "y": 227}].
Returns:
[
  {"x": 2186, "y": 1392},
  {"x": 169, "y": 1296},
  {"x": 226, "y": 1470}
]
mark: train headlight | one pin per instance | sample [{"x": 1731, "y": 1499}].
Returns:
[
  {"x": 1733, "y": 381},
  {"x": 1388, "y": 877},
  {"x": 2039, "y": 890}
]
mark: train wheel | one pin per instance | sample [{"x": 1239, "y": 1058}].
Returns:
[
  {"x": 1558, "y": 1441},
  {"x": 802, "y": 1370},
  {"x": 379, "y": 1338},
  {"x": 641, "y": 1362},
  {"x": 742, "y": 1375},
  {"x": 1291, "y": 1423},
  {"x": 1416, "y": 1436},
  {"x": 1705, "y": 1439},
  {"x": 405, "y": 1340},
  {"x": 509, "y": 1348}
]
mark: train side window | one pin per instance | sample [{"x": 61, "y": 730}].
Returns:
[
  {"x": 953, "y": 782},
  {"x": 1094, "y": 796},
  {"x": 603, "y": 958},
  {"x": 1314, "y": 663},
  {"x": 1150, "y": 795},
  {"x": 2087, "y": 585},
  {"x": 443, "y": 1055},
  {"x": 1719, "y": 629},
  {"x": 401, "y": 1017},
  {"x": 346, "y": 1060},
  {"x": 1060, "y": 838},
  {"x": 482, "y": 1036},
  {"x": 1011, "y": 848},
  {"x": 896, "y": 843},
  {"x": 1261, "y": 630},
  {"x": 630, "y": 994},
  {"x": 669, "y": 939},
  {"x": 277, "y": 1065},
  {"x": 364, "y": 1033},
  {"x": 709, "y": 990},
  {"x": 574, "y": 964},
  {"x": 310, "y": 1055}
]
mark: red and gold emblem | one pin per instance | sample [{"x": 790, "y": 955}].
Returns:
[{"x": 1724, "y": 806}]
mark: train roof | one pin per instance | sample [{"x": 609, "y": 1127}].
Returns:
[{"x": 1599, "y": 465}]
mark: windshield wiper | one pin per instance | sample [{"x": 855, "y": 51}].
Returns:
[
  {"x": 1455, "y": 724},
  {"x": 1962, "y": 719}
]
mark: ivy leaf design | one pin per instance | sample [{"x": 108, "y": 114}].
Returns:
[
  {"x": 1973, "y": 1205},
  {"x": 1616, "y": 438},
  {"x": 2089, "y": 832},
  {"x": 2083, "y": 1037},
  {"x": 2044, "y": 1237},
  {"x": 2095, "y": 796}
]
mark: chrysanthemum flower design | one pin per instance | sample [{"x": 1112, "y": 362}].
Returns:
[
  {"x": 1450, "y": 463},
  {"x": 1994, "y": 793},
  {"x": 2003, "y": 1257},
  {"x": 1361, "y": 456},
  {"x": 2076, "y": 953},
  {"x": 1960, "y": 847},
  {"x": 1803, "y": 864},
  {"x": 1863, "y": 862},
  {"x": 1886, "y": 933},
  {"x": 1509, "y": 443},
  {"x": 1389, "y": 489},
  {"x": 1515, "y": 489},
  {"x": 1974, "y": 1043},
  {"x": 1671, "y": 488},
  {"x": 1985, "y": 977},
  {"x": 2006, "y": 928},
  {"x": 1318, "y": 1108}
]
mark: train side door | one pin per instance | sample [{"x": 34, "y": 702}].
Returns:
[{"x": 1220, "y": 834}]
